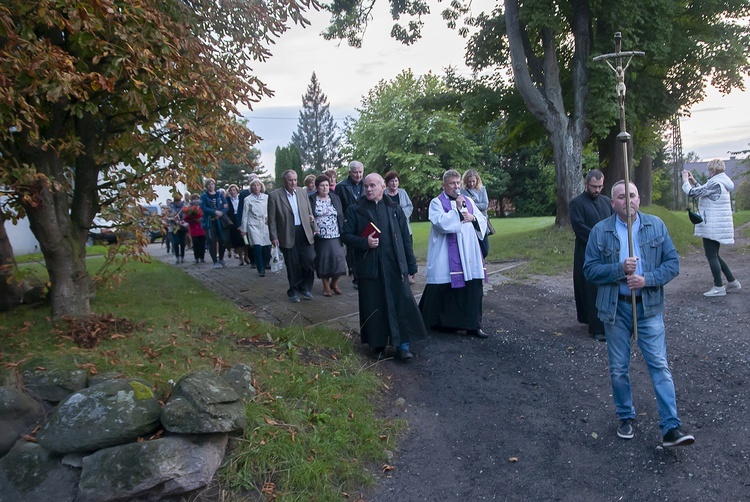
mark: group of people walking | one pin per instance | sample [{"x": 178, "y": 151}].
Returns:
[
  {"x": 221, "y": 222},
  {"x": 361, "y": 227}
]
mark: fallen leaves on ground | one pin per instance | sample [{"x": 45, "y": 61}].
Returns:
[{"x": 88, "y": 331}]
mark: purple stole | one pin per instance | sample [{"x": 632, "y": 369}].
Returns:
[{"x": 454, "y": 256}]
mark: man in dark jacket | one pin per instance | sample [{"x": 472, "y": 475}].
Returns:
[
  {"x": 388, "y": 313},
  {"x": 586, "y": 211},
  {"x": 350, "y": 192}
]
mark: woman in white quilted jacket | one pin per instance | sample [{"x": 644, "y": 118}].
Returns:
[{"x": 717, "y": 228}]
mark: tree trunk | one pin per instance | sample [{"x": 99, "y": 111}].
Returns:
[
  {"x": 11, "y": 292},
  {"x": 60, "y": 223},
  {"x": 642, "y": 179},
  {"x": 543, "y": 95},
  {"x": 615, "y": 169},
  {"x": 567, "y": 150},
  {"x": 64, "y": 251}
]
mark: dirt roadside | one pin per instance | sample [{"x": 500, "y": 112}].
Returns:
[{"x": 527, "y": 414}]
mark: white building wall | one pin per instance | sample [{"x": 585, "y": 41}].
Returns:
[
  {"x": 24, "y": 242},
  {"x": 21, "y": 238}
]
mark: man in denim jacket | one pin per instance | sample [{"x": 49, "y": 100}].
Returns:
[{"x": 655, "y": 263}]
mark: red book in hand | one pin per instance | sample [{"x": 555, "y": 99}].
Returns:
[{"x": 369, "y": 229}]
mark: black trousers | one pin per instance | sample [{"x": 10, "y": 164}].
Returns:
[
  {"x": 717, "y": 264},
  {"x": 299, "y": 261},
  {"x": 199, "y": 247}
]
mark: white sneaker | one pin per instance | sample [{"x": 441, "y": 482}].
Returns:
[
  {"x": 733, "y": 286},
  {"x": 716, "y": 291}
]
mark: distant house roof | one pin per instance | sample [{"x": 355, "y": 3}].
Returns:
[{"x": 735, "y": 167}]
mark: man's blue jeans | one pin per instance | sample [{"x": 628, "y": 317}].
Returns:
[{"x": 653, "y": 345}]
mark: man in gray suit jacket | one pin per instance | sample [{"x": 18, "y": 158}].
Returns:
[{"x": 291, "y": 226}]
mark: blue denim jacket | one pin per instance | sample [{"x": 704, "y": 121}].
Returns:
[{"x": 659, "y": 260}]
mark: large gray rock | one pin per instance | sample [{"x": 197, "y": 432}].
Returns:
[
  {"x": 110, "y": 413},
  {"x": 29, "y": 473},
  {"x": 19, "y": 412},
  {"x": 53, "y": 385},
  {"x": 202, "y": 402},
  {"x": 103, "y": 377},
  {"x": 240, "y": 378},
  {"x": 151, "y": 470}
]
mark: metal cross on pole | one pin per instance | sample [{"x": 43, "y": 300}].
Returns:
[{"x": 624, "y": 137}]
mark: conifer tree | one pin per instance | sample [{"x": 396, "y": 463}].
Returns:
[
  {"x": 317, "y": 136},
  {"x": 287, "y": 157}
]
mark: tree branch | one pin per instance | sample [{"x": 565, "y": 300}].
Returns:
[{"x": 530, "y": 94}]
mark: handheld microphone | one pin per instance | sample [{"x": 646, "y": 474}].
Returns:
[{"x": 463, "y": 202}]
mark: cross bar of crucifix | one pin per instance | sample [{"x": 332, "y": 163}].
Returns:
[{"x": 624, "y": 137}]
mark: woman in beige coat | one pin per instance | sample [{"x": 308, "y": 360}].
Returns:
[{"x": 254, "y": 225}]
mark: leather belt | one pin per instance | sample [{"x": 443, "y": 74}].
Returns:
[{"x": 627, "y": 298}]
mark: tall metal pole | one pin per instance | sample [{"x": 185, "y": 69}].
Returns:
[{"x": 624, "y": 137}]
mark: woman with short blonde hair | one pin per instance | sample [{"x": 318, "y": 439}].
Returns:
[
  {"x": 254, "y": 225},
  {"x": 310, "y": 183},
  {"x": 717, "y": 227}
]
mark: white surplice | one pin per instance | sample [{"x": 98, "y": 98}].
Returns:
[{"x": 444, "y": 223}]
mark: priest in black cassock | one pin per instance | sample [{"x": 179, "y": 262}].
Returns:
[
  {"x": 388, "y": 313},
  {"x": 587, "y": 210}
]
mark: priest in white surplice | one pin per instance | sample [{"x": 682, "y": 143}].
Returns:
[{"x": 452, "y": 298}]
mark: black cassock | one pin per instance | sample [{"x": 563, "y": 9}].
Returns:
[
  {"x": 585, "y": 213},
  {"x": 388, "y": 313}
]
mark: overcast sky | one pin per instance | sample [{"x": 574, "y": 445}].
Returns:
[{"x": 717, "y": 125}]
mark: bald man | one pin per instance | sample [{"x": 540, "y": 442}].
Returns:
[{"x": 388, "y": 313}]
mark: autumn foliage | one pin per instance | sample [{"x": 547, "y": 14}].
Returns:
[{"x": 101, "y": 100}]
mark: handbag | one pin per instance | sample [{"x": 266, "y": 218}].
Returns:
[
  {"x": 277, "y": 260},
  {"x": 226, "y": 221},
  {"x": 694, "y": 216}
]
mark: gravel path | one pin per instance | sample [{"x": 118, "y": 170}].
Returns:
[{"x": 527, "y": 414}]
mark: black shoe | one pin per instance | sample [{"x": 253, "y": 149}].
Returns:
[
  {"x": 355, "y": 284},
  {"x": 478, "y": 333},
  {"x": 306, "y": 295},
  {"x": 404, "y": 355},
  {"x": 625, "y": 430},
  {"x": 294, "y": 298},
  {"x": 675, "y": 437},
  {"x": 599, "y": 337},
  {"x": 262, "y": 274}
]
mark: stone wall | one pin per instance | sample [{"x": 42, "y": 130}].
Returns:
[{"x": 65, "y": 438}]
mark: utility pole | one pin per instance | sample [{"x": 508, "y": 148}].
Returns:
[{"x": 677, "y": 159}]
